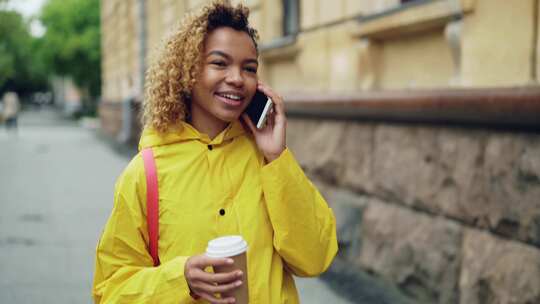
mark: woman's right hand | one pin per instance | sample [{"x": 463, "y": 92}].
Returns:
[{"x": 206, "y": 284}]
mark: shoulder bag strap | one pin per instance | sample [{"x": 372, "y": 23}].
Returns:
[{"x": 152, "y": 203}]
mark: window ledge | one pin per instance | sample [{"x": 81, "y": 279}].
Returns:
[
  {"x": 283, "y": 48},
  {"x": 413, "y": 18}
]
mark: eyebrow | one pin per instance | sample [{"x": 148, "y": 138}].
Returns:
[{"x": 223, "y": 54}]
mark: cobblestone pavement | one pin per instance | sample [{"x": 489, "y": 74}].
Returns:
[{"x": 56, "y": 185}]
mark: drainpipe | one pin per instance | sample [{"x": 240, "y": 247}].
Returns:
[
  {"x": 534, "y": 53},
  {"x": 125, "y": 133},
  {"x": 137, "y": 92},
  {"x": 141, "y": 33}
]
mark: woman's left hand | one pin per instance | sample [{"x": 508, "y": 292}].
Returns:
[{"x": 271, "y": 138}]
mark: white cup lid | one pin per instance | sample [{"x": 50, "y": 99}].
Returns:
[{"x": 226, "y": 246}]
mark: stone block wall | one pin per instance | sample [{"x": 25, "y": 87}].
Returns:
[{"x": 447, "y": 214}]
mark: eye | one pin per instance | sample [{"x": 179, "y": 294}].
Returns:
[
  {"x": 218, "y": 63},
  {"x": 251, "y": 69}
]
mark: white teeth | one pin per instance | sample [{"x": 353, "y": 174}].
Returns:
[{"x": 230, "y": 96}]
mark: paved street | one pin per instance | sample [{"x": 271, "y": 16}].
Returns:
[{"x": 56, "y": 185}]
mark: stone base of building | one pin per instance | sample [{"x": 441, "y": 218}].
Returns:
[{"x": 448, "y": 214}]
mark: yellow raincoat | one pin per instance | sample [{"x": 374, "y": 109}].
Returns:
[{"x": 210, "y": 188}]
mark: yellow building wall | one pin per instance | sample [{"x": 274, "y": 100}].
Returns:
[
  {"x": 119, "y": 49},
  {"x": 309, "y": 14},
  {"x": 330, "y": 11},
  {"x": 352, "y": 8},
  {"x": 313, "y": 70},
  {"x": 271, "y": 20},
  {"x": 419, "y": 61},
  {"x": 163, "y": 17},
  {"x": 496, "y": 49},
  {"x": 154, "y": 28},
  {"x": 498, "y": 43},
  {"x": 372, "y": 7},
  {"x": 343, "y": 60},
  {"x": 496, "y": 46}
]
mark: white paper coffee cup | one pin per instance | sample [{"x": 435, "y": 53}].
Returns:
[{"x": 234, "y": 247}]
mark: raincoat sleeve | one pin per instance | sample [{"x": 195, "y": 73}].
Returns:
[
  {"x": 304, "y": 226},
  {"x": 124, "y": 271}
]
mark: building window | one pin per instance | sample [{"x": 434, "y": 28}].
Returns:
[{"x": 291, "y": 20}]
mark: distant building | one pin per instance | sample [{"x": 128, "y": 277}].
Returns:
[{"x": 67, "y": 96}]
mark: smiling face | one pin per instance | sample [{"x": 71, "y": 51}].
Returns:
[{"x": 227, "y": 79}]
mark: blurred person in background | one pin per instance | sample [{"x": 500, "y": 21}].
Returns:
[
  {"x": 10, "y": 110},
  {"x": 218, "y": 175}
]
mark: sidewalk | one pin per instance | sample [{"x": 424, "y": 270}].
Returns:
[{"x": 56, "y": 185}]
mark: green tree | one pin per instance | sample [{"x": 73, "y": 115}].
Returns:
[
  {"x": 71, "y": 43},
  {"x": 20, "y": 69}
]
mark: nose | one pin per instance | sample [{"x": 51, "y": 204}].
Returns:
[{"x": 235, "y": 77}]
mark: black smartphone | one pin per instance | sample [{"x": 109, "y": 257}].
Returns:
[{"x": 259, "y": 108}]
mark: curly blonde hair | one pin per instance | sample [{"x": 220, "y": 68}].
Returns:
[{"x": 170, "y": 78}]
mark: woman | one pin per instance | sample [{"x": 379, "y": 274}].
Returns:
[{"x": 216, "y": 177}]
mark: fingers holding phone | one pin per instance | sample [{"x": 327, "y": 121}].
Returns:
[
  {"x": 259, "y": 109},
  {"x": 270, "y": 138},
  {"x": 279, "y": 106}
]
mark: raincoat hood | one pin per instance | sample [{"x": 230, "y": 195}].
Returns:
[{"x": 185, "y": 132}]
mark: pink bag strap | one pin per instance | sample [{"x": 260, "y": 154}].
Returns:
[{"x": 152, "y": 203}]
